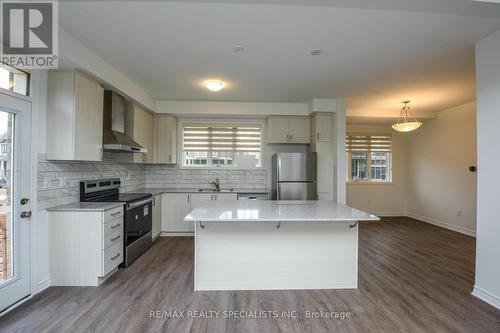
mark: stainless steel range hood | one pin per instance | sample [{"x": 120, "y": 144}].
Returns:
[{"x": 114, "y": 137}]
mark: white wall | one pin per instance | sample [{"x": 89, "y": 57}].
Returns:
[
  {"x": 487, "y": 285},
  {"x": 197, "y": 108},
  {"x": 382, "y": 199},
  {"x": 441, "y": 189},
  {"x": 73, "y": 54}
]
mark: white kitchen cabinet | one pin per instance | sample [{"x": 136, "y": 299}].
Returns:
[
  {"x": 322, "y": 144},
  {"x": 85, "y": 247},
  {"x": 175, "y": 207},
  {"x": 74, "y": 117},
  {"x": 197, "y": 200},
  {"x": 225, "y": 197},
  {"x": 277, "y": 130},
  {"x": 288, "y": 130},
  {"x": 139, "y": 125},
  {"x": 165, "y": 144},
  {"x": 157, "y": 215}
]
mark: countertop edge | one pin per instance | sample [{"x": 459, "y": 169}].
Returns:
[{"x": 73, "y": 208}]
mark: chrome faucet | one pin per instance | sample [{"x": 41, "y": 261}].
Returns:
[{"x": 216, "y": 183}]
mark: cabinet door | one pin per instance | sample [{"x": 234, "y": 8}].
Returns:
[
  {"x": 226, "y": 197},
  {"x": 325, "y": 167},
  {"x": 175, "y": 208},
  {"x": 197, "y": 200},
  {"x": 157, "y": 215},
  {"x": 89, "y": 96},
  {"x": 323, "y": 128},
  {"x": 277, "y": 130},
  {"x": 299, "y": 129},
  {"x": 166, "y": 139},
  {"x": 143, "y": 133}
]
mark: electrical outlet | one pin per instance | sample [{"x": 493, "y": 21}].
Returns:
[{"x": 459, "y": 212}]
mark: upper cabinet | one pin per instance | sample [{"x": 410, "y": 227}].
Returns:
[
  {"x": 139, "y": 126},
  {"x": 321, "y": 129},
  {"x": 165, "y": 139},
  {"x": 74, "y": 117},
  {"x": 155, "y": 132},
  {"x": 288, "y": 130}
]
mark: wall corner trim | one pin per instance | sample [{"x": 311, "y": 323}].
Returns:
[{"x": 486, "y": 297}]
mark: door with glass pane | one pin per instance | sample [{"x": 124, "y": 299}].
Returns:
[{"x": 15, "y": 164}]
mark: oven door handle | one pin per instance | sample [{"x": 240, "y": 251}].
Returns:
[{"x": 138, "y": 203}]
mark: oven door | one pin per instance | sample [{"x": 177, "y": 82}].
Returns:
[{"x": 138, "y": 220}]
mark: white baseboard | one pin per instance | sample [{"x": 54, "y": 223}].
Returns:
[
  {"x": 388, "y": 214},
  {"x": 442, "y": 224},
  {"x": 176, "y": 234},
  {"x": 486, "y": 297},
  {"x": 42, "y": 285}
]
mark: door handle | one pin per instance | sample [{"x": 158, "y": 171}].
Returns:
[{"x": 26, "y": 215}]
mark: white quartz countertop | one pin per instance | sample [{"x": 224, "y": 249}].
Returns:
[
  {"x": 159, "y": 190},
  {"x": 277, "y": 211},
  {"x": 86, "y": 206}
]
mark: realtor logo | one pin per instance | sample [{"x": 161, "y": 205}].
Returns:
[{"x": 29, "y": 34}]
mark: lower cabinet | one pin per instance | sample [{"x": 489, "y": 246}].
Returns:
[
  {"x": 85, "y": 247},
  {"x": 176, "y": 206},
  {"x": 157, "y": 215}
]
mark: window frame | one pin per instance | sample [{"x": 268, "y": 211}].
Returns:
[
  {"x": 29, "y": 83},
  {"x": 369, "y": 180},
  {"x": 219, "y": 122}
]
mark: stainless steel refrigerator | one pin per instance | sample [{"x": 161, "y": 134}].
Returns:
[{"x": 294, "y": 176}]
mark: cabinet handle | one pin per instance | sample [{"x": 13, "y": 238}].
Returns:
[
  {"x": 114, "y": 239},
  {"x": 188, "y": 197},
  {"x": 291, "y": 138},
  {"x": 117, "y": 213},
  {"x": 154, "y": 201},
  {"x": 318, "y": 136},
  {"x": 115, "y": 226},
  {"x": 115, "y": 257}
]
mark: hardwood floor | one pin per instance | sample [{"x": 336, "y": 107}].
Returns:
[{"x": 413, "y": 277}]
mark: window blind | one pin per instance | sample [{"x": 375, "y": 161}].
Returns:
[
  {"x": 368, "y": 142},
  {"x": 222, "y": 138}
]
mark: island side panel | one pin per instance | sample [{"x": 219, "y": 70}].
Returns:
[{"x": 258, "y": 256}]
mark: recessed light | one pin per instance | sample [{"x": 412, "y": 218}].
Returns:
[
  {"x": 238, "y": 49},
  {"x": 316, "y": 52},
  {"x": 214, "y": 85}
]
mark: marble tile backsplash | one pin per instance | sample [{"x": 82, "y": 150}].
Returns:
[
  {"x": 165, "y": 176},
  {"x": 58, "y": 182}
]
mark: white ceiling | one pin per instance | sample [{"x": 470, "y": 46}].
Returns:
[{"x": 419, "y": 50}]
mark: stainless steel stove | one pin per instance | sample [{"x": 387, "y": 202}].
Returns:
[{"x": 137, "y": 215}]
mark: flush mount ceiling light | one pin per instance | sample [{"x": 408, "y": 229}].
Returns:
[
  {"x": 316, "y": 52},
  {"x": 214, "y": 85},
  {"x": 406, "y": 121}
]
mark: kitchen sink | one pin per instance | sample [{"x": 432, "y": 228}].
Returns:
[{"x": 214, "y": 190}]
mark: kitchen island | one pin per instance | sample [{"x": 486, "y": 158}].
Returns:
[{"x": 270, "y": 245}]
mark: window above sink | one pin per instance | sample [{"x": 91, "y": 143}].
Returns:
[{"x": 222, "y": 145}]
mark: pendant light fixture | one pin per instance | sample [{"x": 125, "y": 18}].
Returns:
[{"x": 406, "y": 121}]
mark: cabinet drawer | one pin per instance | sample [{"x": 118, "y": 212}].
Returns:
[
  {"x": 112, "y": 226},
  {"x": 112, "y": 239},
  {"x": 111, "y": 258},
  {"x": 113, "y": 214}
]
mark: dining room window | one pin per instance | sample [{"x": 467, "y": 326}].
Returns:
[{"x": 369, "y": 157}]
